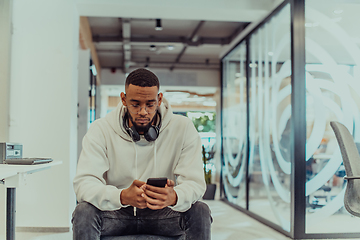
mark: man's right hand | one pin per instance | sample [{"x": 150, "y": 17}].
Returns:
[{"x": 132, "y": 195}]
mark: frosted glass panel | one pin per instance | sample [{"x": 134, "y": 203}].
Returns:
[
  {"x": 333, "y": 94},
  {"x": 234, "y": 126},
  {"x": 270, "y": 112}
]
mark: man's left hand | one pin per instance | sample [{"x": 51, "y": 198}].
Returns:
[{"x": 159, "y": 198}]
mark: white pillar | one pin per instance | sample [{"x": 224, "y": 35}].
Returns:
[
  {"x": 43, "y": 106},
  {"x": 5, "y": 45}
]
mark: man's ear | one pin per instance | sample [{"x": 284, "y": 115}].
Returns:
[
  {"x": 160, "y": 96},
  {"x": 123, "y": 98}
]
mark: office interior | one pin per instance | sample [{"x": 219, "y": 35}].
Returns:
[{"x": 289, "y": 69}]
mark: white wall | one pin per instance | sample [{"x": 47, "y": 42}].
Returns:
[
  {"x": 5, "y": 44},
  {"x": 43, "y": 106}
]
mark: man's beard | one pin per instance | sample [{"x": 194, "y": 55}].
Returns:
[{"x": 139, "y": 128}]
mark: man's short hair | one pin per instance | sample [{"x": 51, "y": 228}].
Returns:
[{"x": 143, "y": 78}]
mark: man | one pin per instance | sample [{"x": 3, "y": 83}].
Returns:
[{"x": 141, "y": 139}]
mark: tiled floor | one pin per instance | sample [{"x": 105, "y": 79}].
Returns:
[
  {"x": 231, "y": 224},
  {"x": 228, "y": 224}
]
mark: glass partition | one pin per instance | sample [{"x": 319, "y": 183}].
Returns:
[
  {"x": 333, "y": 94},
  {"x": 234, "y": 124},
  {"x": 270, "y": 112},
  {"x": 260, "y": 159}
]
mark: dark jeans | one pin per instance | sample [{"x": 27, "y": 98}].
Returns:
[{"x": 89, "y": 223}]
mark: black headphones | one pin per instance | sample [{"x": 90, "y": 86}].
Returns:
[{"x": 151, "y": 135}]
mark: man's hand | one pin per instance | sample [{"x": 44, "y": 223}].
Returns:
[
  {"x": 159, "y": 198},
  {"x": 132, "y": 195}
]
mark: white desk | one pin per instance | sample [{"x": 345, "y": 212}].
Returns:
[{"x": 13, "y": 176}]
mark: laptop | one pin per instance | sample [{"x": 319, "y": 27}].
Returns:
[{"x": 27, "y": 161}]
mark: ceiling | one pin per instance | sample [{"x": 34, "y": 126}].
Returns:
[
  {"x": 193, "y": 36},
  {"x": 195, "y": 33},
  {"x": 122, "y": 43}
]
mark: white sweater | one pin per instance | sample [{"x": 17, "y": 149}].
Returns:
[{"x": 110, "y": 161}]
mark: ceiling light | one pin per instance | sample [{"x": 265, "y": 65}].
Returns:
[
  {"x": 195, "y": 38},
  {"x": 170, "y": 47},
  {"x": 338, "y": 11},
  {"x": 147, "y": 62},
  {"x": 270, "y": 53},
  {"x": 152, "y": 48},
  {"x": 158, "y": 25}
]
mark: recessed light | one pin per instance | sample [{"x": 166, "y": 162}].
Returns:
[
  {"x": 158, "y": 26},
  {"x": 270, "y": 53},
  {"x": 170, "y": 47}
]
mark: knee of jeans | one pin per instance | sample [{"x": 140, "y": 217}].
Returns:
[
  {"x": 84, "y": 211},
  {"x": 200, "y": 209}
]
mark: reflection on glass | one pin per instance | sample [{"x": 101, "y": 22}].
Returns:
[
  {"x": 333, "y": 94},
  {"x": 270, "y": 112}
]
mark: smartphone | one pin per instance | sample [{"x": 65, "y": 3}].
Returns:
[{"x": 157, "y": 182}]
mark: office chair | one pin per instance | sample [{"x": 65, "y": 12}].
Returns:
[{"x": 351, "y": 159}]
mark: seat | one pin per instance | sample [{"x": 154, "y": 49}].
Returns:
[
  {"x": 351, "y": 160},
  {"x": 141, "y": 237}
]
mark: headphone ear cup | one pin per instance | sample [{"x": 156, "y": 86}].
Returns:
[
  {"x": 131, "y": 131},
  {"x": 134, "y": 134},
  {"x": 152, "y": 134}
]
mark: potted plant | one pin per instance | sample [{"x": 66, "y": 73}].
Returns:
[{"x": 210, "y": 187}]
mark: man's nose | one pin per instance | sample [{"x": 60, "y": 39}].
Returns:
[{"x": 143, "y": 111}]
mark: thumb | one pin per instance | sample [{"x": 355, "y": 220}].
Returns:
[{"x": 170, "y": 183}]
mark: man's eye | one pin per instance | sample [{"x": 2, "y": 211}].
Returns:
[
  {"x": 150, "y": 105},
  {"x": 135, "y": 105}
]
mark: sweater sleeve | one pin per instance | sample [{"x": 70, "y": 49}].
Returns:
[
  {"x": 89, "y": 182},
  {"x": 189, "y": 171}
]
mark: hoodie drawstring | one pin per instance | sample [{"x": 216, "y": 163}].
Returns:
[
  {"x": 136, "y": 169},
  {"x": 136, "y": 172},
  {"x": 136, "y": 158},
  {"x": 155, "y": 159}
]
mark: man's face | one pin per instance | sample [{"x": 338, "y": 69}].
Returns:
[{"x": 142, "y": 103}]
